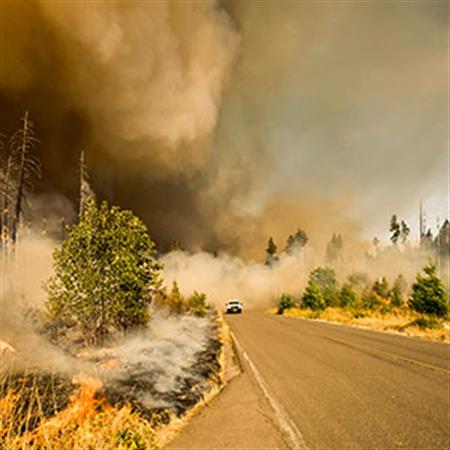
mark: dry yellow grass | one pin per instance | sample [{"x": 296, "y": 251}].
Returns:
[
  {"x": 86, "y": 423},
  {"x": 398, "y": 321}
]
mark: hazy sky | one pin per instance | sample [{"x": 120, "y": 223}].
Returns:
[
  {"x": 221, "y": 123},
  {"x": 347, "y": 99}
]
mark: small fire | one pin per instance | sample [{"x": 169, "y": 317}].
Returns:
[{"x": 83, "y": 405}]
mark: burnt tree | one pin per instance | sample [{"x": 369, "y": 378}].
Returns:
[{"x": 25, "y": 166}]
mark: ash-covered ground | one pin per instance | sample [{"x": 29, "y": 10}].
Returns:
[{"x": 167, "y": 367}]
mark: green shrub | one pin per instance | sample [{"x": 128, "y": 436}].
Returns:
[
  {"x": 427, "y": 322},
  {"x": 371, "y": 300},
  {"x": 197, "y": 304},
  {"x": 428, "y": 294},
  {"x": 398, "y": 291},
  {"x": 324, "y": 279},
  {"x": 313, "y": 297},
  {"x": 175, "y": 301},
  {"x": 396, "y": 298},
  {"x": 286, "y": 302},
  {"x": 381, "y": 288},
  {"x": 347, "y": 296}
]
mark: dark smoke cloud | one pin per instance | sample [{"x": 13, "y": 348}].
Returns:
[
  {"x": 222, "y": 123},
  {"x": 138, "y": 85}
]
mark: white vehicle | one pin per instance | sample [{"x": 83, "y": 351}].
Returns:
[{"x": 233, "y": 306}]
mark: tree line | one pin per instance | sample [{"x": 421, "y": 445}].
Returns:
[
  {"x": 427, "y": 294},
  {"x": 399, "y": 233}
]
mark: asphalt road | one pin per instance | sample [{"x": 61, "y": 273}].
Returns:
[{"x": 339, "y": 387}]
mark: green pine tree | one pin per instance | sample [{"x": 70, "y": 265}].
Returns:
[
  {"x": 313, "y": 297},
  {"x": 395, "y": 229},
  {"x": 347, "y": 296},
  {"x": 271, "y": 252},
  {"x": 398, "y": 291},
  {"x": 197, "y": 304},
  {"x": 286, "y": 302},
  {"x": 428, "y": 293},
  {"x": 325, "y": 280}
]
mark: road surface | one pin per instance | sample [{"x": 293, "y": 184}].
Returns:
[{"x": 327, "y": 386}]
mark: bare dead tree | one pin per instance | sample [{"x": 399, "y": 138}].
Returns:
[
  {"x": 85, "y": 187},
  {"x": 82, "y": 178},
  {"x": 5, "y": 191},
  {"x": 25, "y": 165}
]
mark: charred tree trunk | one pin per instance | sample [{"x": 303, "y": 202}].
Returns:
[
  {"x": 22, "y": 143},
  {"x": 85, "y": 187},
  {"x": 5, "y": 219},
  {"x": 21, "y": 177},
  {"x": 82, "y": 182}
]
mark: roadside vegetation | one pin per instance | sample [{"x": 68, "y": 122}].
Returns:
[{"x": 422, "y": 309}]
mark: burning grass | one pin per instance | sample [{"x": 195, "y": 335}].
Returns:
[
  {"x": 131, "y": 399},
  {"x": 86, "y": 422},
  {"x": 401, "y": 320}
]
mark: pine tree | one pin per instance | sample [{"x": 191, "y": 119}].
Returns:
[
  {"x": 381, "y": 288},
  {"x": 428, "y": 293},
  {"x": 347, "y": 296},
  {"x": 271, "y": 252},
  {"x": 395, "y": 230},
  {"x": 5, "y": 192},
  {"x": 286, "y": 302},
  {"x": 197, "y": 304},
  {"x": 325, "y": 280},
  {"x": 398, "y": 291},
  {"x": 296, "y": 241},
  {"x": 176, "y": 301},
  {"x": 23, "y": 143},
  {"x": 334, "y": 249},
  {"x": 404, "y": 231},
  {"x": 312, "y": 297}
]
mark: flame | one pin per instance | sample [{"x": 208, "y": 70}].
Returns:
[
  {"x": 87, "y": 422},
  {"x": 83, "y": 405}
]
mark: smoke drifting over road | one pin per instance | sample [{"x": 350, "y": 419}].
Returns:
[{"x": 222, "y": 122}]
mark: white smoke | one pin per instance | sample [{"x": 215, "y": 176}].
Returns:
[{"x": 226, "y": 276}]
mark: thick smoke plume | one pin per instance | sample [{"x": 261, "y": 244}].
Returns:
[
  {"x": 148, "y": 74},
  {"x": 204, "y": 117}
]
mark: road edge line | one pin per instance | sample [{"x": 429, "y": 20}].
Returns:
[{"x": 287, "y": 426}]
